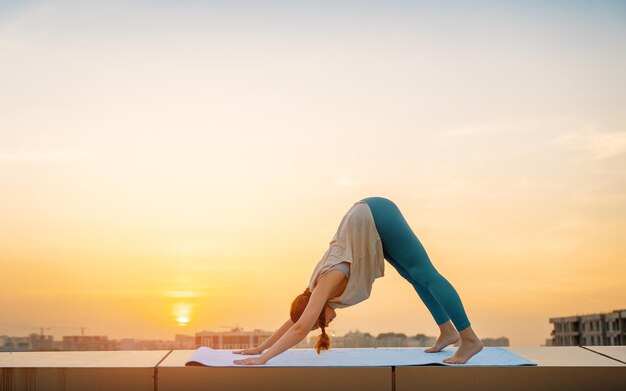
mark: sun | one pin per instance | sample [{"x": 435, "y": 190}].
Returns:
[
  {"x": 182, "y": 313},
  {"x": 182, "y": 320}
]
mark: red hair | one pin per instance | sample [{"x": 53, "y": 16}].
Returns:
[{"x": 297, "y": 308}]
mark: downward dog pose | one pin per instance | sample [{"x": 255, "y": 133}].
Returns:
[{"x": 371, "y": 231}]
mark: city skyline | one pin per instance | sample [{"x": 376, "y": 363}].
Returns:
[
  {"x": 235, "y": 338},
  {"x": 175, "y": 166}
]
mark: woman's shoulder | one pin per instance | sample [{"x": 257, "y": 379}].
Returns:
[{"x": 331, "y": 281}]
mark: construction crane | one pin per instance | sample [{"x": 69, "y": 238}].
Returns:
[
  {"x": 41, "y": 329},
  {"x": 82, "y": 329}
]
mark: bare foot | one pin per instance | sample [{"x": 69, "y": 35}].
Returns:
[
  {"x": 445, "y": 339},
  {"x": 468, "y": 348}
]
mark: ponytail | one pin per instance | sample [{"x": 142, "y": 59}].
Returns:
[{"x": 323, "y": 340}]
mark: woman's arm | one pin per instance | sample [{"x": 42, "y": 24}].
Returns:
[
  {"x": 303, "y": 326},
  {"x": 268, "y": 342},
  {"x": 295, "y": 334},
  {"x": 309, "y": 317},
  {"x": 291, "y": 338},
  {"x": 279, "y": 333}
]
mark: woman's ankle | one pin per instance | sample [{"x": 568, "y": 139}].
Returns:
[
  {"x": 469, "y": 335},
  {"x": 447, "y": 328}
]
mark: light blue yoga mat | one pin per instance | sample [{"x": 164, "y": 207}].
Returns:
[{"x": 359, "y": 357}]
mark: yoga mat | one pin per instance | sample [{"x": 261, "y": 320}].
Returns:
[{"x": 361, "y": 357}]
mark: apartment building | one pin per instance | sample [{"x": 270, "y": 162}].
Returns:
[
  {"x": 236, "y": 338},
  {"x": 592, "y": 329}
]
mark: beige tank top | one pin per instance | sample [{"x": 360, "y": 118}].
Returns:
[{"x": 357, "y": 242}]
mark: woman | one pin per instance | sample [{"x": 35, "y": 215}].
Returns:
[{"x": 372, "y": 230}]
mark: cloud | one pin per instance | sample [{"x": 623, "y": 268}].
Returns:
[
  {"x": 183, "y": 294},
  {"x": 598, "y": 145}
]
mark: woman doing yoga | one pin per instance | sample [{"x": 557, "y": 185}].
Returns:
[{"x": 371, "y": 231}]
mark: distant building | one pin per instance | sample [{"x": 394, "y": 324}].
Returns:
[
  {"x": 41, "y": 342},
  {"x": 357, "y": 339},
  {"x": 33, "y": 342},
  {"x": 182, "y": 341},
  {"x": 502, "y": 341},
  {"x": 391, "y": 340},
  {"x": 14, "y": 344},
  {"x": 236, "y": 338},
  {"x": 421, "y": 340},
  {"x": 593, "y": 329},
  {"x": 352, "y": 339},
  {"x": 85, "y": 342}
]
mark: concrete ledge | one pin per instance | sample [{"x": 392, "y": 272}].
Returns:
[
  {"x": 510, "y": 378},
  {"x": 174, "y": 375},
  {"x": 559, "y": 368},
  {"x": 614, "y": 352},
  {"x": 69, "y": 371},
  {"x": 567, "y": 368}
]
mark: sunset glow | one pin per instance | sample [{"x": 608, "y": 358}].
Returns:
[{"x": 169, "y": 164}]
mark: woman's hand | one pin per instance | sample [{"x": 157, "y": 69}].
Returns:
[
  {"x": 249, "y": 351},
  {"x": 251, "y": 361}
]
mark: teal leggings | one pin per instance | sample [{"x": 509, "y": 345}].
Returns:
[{"x": 404, "y": 252}]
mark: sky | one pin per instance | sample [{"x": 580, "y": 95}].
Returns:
[{"x": 173, "y": 167}]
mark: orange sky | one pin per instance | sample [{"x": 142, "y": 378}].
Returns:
[{"x": 196, "y": 160}]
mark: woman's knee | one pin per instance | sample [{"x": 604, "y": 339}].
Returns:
[{"x": 425, "y": 276}]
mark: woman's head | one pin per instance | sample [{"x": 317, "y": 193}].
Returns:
[{"x": 326, "y": 316}]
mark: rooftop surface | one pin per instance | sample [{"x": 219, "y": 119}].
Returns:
[{"x": 558, "y": 368}]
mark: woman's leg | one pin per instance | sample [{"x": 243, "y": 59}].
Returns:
[
  {"x": 405, "y": 249},
  {"x": 401, "y": 244},
  {"x": 436, "y": 310},
  {"x": 447, "y": 333}
]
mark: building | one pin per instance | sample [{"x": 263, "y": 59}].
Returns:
[
  {"x": 593, "y": 329},
  {"x": 357, "y": 339},
  {"x": 182, "y": 341},
  {"x": 85, "y": 342},
  {"x": 352, "y": 339},
  {"x": 420, "y": 340},
  {"x": 616, "y": 327},
  {"x": 236, "y": 338},
  {"x": 391, "y": 340},
  {"x": 14, "y": 344},
  {"x": 502, "y": 341},
  {"x": 33, "y": 342}
]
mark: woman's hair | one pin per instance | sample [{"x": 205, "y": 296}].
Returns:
[{"x": 297, "y": 308}]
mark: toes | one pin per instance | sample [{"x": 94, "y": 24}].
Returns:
[{"x": 452, "y": 360}]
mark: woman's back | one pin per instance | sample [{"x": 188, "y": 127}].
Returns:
[{"x": 357, "y": 243}]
